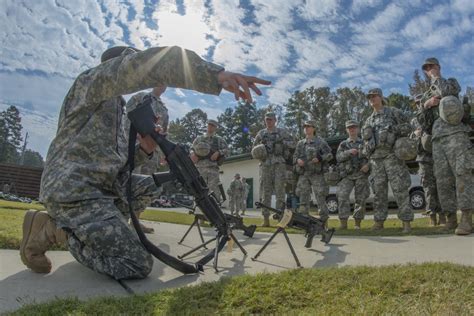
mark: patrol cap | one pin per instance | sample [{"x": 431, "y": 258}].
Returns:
[
  {"x": 430, "y": 61},
  {"x": 271, "y": 115},
  {"x": 116, "y": 51},
  {"x": 352, "y": 123},
  {"x": 311, "y": 123},
  {"x": 213, "y": 122},
  {"x": 237, "y": 175},
  {"x": 375, "y": 91}
]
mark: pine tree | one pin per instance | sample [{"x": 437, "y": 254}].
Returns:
[
  {"x": 419, "y": 84},
  {"x": 10, "y": 135}
]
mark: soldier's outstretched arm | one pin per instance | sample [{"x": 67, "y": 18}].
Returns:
[{"x": 171, "y": 66}]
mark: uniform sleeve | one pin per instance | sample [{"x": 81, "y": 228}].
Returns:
[
  {"x": 299, "y": 154},
  {"x": 223, "y": 148},
  {"x": 171, "y": 66},
  {"x": 258, "y": 140},
  {"x": 403, "y": 127},
  {"x": 342, "y": 154}
]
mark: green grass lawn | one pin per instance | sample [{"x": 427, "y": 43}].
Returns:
[
  {"x": 11, "y": 218},
  {"x": 426, "y": 289}
]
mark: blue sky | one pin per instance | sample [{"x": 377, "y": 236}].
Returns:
[{"x": 296, "y": 44}]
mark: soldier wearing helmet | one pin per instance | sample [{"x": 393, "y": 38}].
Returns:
[
  {"x": 209, "y": 152},
  {"x": 380, "y": 132},
  {"x": 278, "y": 145},
  {"x": 445, "y": 116}
]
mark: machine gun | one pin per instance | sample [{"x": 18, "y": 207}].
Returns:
[
  {"x": 182, "y": 168},
  {"x": 311, "y": 225}
]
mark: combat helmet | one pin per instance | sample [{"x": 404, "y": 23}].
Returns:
[
  {"x": 202, "y": 149},
  {"x": 405, "y": 148},
  {"x": 451, "y": 110},
  {"x": 259, "y": 152}
]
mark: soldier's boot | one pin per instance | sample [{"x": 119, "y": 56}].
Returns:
[
  {"x": 442, "y": 219},
  {"x": 357, "y": 223},
  {"x": 343, "y": 224},
  {"x": 433, "y": 221},
  {"x": 465, "y": 226},
  {"x": 451, "y": 222},
  {"x": 39, "y": 234},
  {"x": 266, "y": 221},
  {"x": 378, "y": 225},
  {"x": 406, "y": 227}
]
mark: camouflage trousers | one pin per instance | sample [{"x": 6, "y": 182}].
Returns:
[
  {"x": 211, "y": 176},
  {"x": 428, "y": 181},
  {"x": 272, "y": 179},
  {"x": 453, "y": 157},
  {"x": 99, "y": 234},
  {"x": 244, "y": 202},
  {"x": 235, "y": 203},
  {"x": 361, "y": 193},
  {"x": 313, "y": 182},
  {"x": 394, "y": 171}
]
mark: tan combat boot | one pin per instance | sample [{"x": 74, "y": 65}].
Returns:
[
  {"x": 343, "y": 224},
  {"x": 451, "y": 222},
  {"x": 357, "y": 223},
  {"x": 442, "y": 219},
  {"x": 406, "y": 227},
  {"x": 378, "y": 225},
  {"x": 465, "y": 226},
  {"x": 433, "y": 221},
  {"x": 266, "y": 221},
  {"x": 39, "y": 234}
]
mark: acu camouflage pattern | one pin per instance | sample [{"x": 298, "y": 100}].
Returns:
[
  {"x": 245, "y": 196},
  {"x": 388, "y": 125},
  {"x": 152, "y": 164},
  {"x": 235, "y": 193},
  {"x": 209, "y": 169},
  {"x": 426, "y": 172},
  {"x": 453, "y": 154},
  {"x": 279, "y": 144},
  {"x": 352, "y": 178},
  {"x": 83, "y": 182},
  {"x": 311, "y": 176}
]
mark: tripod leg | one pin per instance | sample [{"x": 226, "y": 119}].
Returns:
[
  {"x": 198, "y": 247},
  {"x": 291, "y": 248},
  {"x": 266, "y": 244},
  {"x": 238, "y": 244},
  {"x": 189, "y": 229},
  {"x": 216, "y": 253},
  {"x": 200, "y": 233}
]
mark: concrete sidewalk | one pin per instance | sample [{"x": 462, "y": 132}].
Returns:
[{"x": 19, "y": 286}]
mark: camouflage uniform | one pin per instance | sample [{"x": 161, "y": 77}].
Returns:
[
  {"x": 278, "y": 143},
  {"x": 209, "y": 169},
  {"x": 352, "y": 178},
  {"x": 453, "y": 154},
  {"x": 83, "y": 182},
  {"x": 245, "y": 196},
  {"x": 385, "y": 127},
  {"x": 235, "y": 193},
  {"x": 425, "y": 169},
  {"x": 153, "y": 164},
  {"x": 311, "y": 175}
]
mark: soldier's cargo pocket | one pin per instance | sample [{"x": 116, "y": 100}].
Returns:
[{"x": 465, "y": 162}]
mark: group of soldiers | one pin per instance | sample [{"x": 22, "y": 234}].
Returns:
[{"x": 439, "y": 139}]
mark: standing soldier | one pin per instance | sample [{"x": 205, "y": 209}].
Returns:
[
  {"x": 425, "y": 165},
  {"x": 246, "y": 194},
  {"x": 272, "y": 146},
  {"x": 353, "y": 167},
  {"x": 209, "y": 152},
  {"x": 310, "y": 157},
  {"x": 453, "y": 153},
  {"x": 235, "y": 193},
  {"x": 151, "y": 165},
  {"x": 381, "y": 129}
]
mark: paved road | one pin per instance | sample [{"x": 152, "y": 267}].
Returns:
[{"x": 20, "y": 286}]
